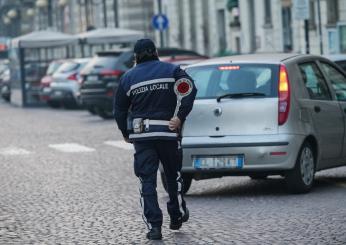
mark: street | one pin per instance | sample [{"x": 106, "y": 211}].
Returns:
[{"x": 66, "y": 177}]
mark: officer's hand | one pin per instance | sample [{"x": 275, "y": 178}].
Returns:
[{"x": 174, "y": 123}]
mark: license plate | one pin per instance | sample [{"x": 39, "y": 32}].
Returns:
[
  {"x": 218, "y": 162},
  {"x": 58, "y": 93},
  {"x": 92, "y": 78},
  {"x": 46, "y": 90}
]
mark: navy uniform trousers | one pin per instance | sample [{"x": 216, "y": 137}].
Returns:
[{"x": 148, "y": 155}]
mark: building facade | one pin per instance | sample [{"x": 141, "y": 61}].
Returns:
[
  {"x": 134, "y": 14},
  {"x": 217, "y": 27},
  {"x": 210, "y": 27},
  {"x": 275, "y": 27},
  {"x": 200, "y": 25}
]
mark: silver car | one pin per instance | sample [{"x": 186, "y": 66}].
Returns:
[
  {"x": 260, "y": 115},
  {"x": 66, "y": 82}
]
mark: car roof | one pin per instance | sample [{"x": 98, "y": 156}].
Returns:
[
  {"x": 114, "y": 52},
  {"x": 336, "y": 57},
  {"x": 75, "y": 60},
  {"x": 162, "y": 52},
  {"x": 81, "y": 60},
  {"x": 268, "y": 58}
]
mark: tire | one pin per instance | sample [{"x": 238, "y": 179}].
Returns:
[
  {"x": 104, "y": 113},
  {"x": 301, "y": 178},
  {"x": 54, "y": 104},
  {"x": 186, "y": 178},
  {"x": 91, "y": 110},
  {"x": 258, "y": 176},
  {"x": 70, "y": 105},
  {"x": 7, "y": 98}
]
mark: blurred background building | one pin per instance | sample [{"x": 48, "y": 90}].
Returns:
[{"x": 211, "y": 27}]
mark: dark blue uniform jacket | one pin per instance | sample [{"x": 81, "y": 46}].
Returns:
[{"x": 147, "y": 90}]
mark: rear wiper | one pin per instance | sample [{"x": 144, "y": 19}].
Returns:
[
  {"x": 239, "y": 95},
  {"x": 98, "y": 66}
]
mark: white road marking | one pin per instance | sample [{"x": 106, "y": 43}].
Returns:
[
  {"x": 120, "y": 144},
  {"x": 13, "y": 151},
  {"x": 71, "y": 148}
]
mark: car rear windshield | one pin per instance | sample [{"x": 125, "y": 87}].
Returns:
[
  {"x": 217, "y": 80},
  {"x": 101, "y": 63},
  {"x": 68, "y": 67},
  {"x": 53, "y": 67}
]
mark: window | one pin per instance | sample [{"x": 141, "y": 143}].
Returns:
[
  {"x": 337, "y": 80},
  {"x": 312, "y": 19},
  {"x": 287, "y": 29},
  {"x": 332, "y": 12},
  {"x": 222, "y": 29},
  {"x": 68, "y": 67},
  {"x": 213, "y": 81},
  {"x": 267, "y": 14},
  {"x": 342, "y": 38},
  {"x": 314, "y": 82}
]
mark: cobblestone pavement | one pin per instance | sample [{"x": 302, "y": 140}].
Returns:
[{"x": 90, "y": 194}]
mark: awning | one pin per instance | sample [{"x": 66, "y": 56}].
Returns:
[
  {"x": 44, "y": 39},
  {"x": 110, "y": 35}
]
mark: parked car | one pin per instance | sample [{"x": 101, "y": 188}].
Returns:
[
  {"x": 65, "y": 86},
  {"x": 48, "y": 78},
  {"x": 261, "y": 115},
  {"x": 101, "y": 76},
  {"x": 5, "y": 82}
]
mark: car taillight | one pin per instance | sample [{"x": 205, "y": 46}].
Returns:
[
  {"x": 73, "y": 77},
  {"x": 45, "y": 84},
  {"x": 284, "y": 95},
  {"x": 110, "y": 93},
  {"x": 46, "y": 81},
  {"x": 111, "y": 73}
]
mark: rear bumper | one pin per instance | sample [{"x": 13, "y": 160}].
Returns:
[
  {"x": 257, "y": 150},
  {"x": 59, "y": 95},
  {"x": 5, "y": 90},
  {"x": 99, "y": 100}
]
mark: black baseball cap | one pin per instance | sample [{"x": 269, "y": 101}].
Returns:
[{"x": 143, "y": 45}]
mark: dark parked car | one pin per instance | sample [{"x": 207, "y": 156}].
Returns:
[
  {"x": 101, "y": 76},
  {"x": 99, "y": 79}
]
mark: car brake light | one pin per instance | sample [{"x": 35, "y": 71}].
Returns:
[
  {"x": 45, "y": 84},
  {"x": 284, "y": 95},
  {"x": 225, "y": 68},
  {"x": 111, "y": 73},
  {"x": 46, "y": 81},
  {"x": 110, "y": 93},
  {"x": 73, "y": 77}
]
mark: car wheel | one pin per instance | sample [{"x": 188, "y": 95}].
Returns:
[
  {"x": 258, "y": 176},
  {"x": 7, "y": 97},
  {"x": 186, "y": 178},
  {"x": 91, "y": 110},
  {"x": 104, "y": 113},
  {"x": 54, "y": 104},
  {"x": 70, "y": 105},
  {"x": 301, "y": 178}
]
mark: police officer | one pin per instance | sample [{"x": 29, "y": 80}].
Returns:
[{"x": 147, "y": 91}]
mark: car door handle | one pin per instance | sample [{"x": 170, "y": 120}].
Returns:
[{"x": 317, "y": 109}]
